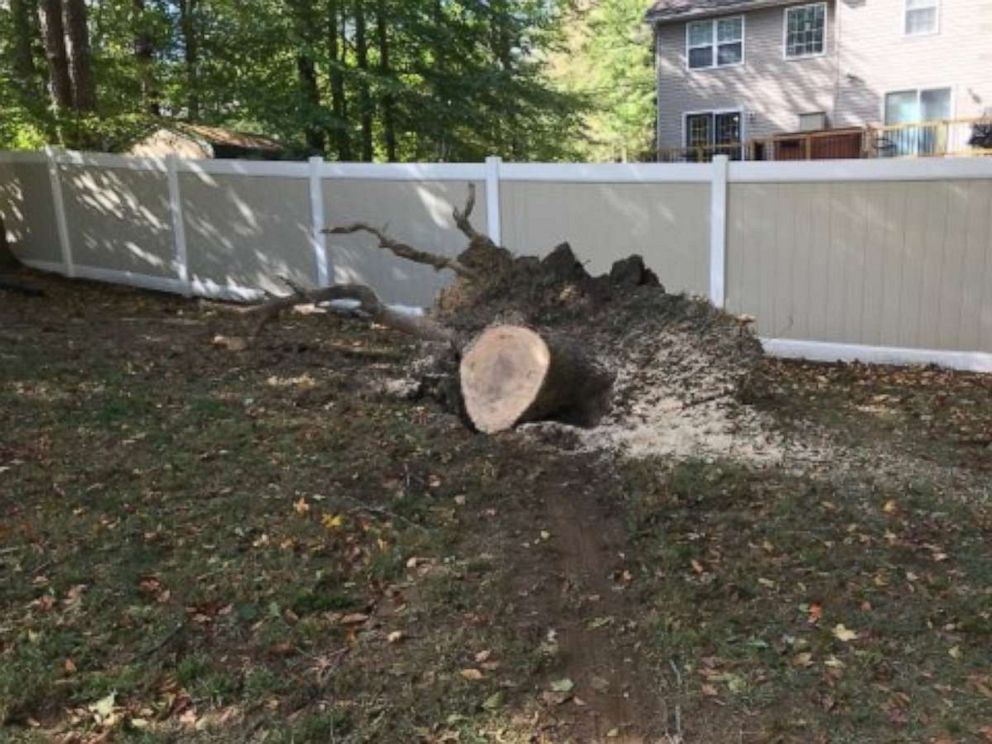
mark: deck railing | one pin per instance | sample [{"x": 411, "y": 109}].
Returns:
[{"x": 940, "y": 138}]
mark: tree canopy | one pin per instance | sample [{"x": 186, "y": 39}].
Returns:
[{"x": 366, "y": 80}]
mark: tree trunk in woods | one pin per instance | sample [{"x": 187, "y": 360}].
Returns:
[
  {"x": 335, "y": 53},
  {"x": 25, "y": 72},
  {"x": 304, "y": 30},
  {"x": 364, "y": 96},
  {"x": 512, "y": 374},
  {"x": 77, "y": 36},
  {"x": 144, "y": 55},
  {"x": 53, "y": 36},
  {"x": 385, "y": 71},
  {"x": 191, "y": 56}
]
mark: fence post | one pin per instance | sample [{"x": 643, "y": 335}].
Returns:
[
  {"x": 178, "y": 226},
  {"x": 494, "y": 221},
  {"x": 718, "y": 230},
  {"x": 318, "y": 240},
  {"x": 58, "y": 201}
]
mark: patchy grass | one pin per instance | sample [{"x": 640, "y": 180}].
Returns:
[
  {"x": 802, "y": 611},
  {"x": 205, "y": 545}
]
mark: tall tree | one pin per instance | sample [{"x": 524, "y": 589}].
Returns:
[
  {"x": 77, "y": 44},
  {"x": 305, "y": 32},
  {"x": 364, "y": 93},
  {"x": 144, "y": 56},
  {"x": 23, "y": 31},
  {"x": 336, "y": 63},
  {"x": 386, "y": 81},
  {"x": 191, "y": 56},
  {"x": 53, "y": 36}
]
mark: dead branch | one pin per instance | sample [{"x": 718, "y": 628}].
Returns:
[
  {"x": 403, "y": 250},
  {"x": 462, "y": 217},
  {"x": 370, "y": 307}
]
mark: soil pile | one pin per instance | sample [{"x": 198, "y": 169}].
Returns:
[{"x": 680, "y": 365}]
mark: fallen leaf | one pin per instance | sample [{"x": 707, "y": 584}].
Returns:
[
  {"x": 815, "y": 613},
  {"x": 844, "y": 634},
  {"x": 103, "y": 707},
  {"x": 472, "y": 675},
  {"x": 803, "y": 660},
  {"x": 493, "y": 702},
  {"x": 483, "y": 656},
  {"x": 69, "y": 666},
  {"x": 709, "y": 691},
  {"x": 332, "y": 521},
  {"x": 562, "y": 685},
  {"x": 697, "y": 566},
  {"x": 954, "y": 652},
  {"x": 355, "y": 618},
  {"x": 396, "y": 636},
  {"x": 301, "y": 506}
]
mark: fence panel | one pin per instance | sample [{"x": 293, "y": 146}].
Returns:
[
  {"x": 29, "y": 215},
  {"x": 244, "y": 231},
  {"x": 667, "y": 223},
  {"x": 119, "y": 219},
  {"x": 880, "y": 263},
  {"x": 413, "y": 211}
]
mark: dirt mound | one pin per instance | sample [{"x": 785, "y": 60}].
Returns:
[{"x": 679, "y": 364}]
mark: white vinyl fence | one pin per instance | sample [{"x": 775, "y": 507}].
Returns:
[{"x": 878, "y": 260}]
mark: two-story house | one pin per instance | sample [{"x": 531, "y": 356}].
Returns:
[{"x": 730, "y": 71}]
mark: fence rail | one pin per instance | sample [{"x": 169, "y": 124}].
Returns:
[{"x": 884, "y": 259}]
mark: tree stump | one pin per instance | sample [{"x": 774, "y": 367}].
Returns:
[{"x": 512, "y": 374}]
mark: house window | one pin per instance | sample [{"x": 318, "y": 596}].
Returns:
[
  {"x": 718, "y": 43},
  {"x": 916, "y": 121},
  {"x": 806, "y": 30},
  {"x": 921, "y": 17},
  {"x": 709, "y": 133}
]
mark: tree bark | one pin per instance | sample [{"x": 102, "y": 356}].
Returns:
[
  {"x": 364, "y": 94},
  {"x": 191, "y": 56},
  {"x": 512, "y": 374},
  {"x": 77, "y": 36},
  {"x": 386, "y": 74},
  {"x": 53, "y": 36},
  {"x": 144, "y": 56},
  {"x": 335, "y": 53}
]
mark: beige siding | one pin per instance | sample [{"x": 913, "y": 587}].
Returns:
[
  {"x": 876, "y": 57},
  {"x": 668, "y": 224},
  {"x": 26, "y": 205},
  {"x": 417, "y": 212},
  {"x": 771, "y": 90},
  {"x": 247, "y": 230},
  {"x": 905, "y": 264},
  {"x": 119, "y": 219},
  {"x": 867, "y": 56}
]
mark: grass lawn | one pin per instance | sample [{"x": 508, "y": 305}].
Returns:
[{"x": 199, "y": 544}]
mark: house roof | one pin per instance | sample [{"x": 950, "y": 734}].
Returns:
[
  {"x": 671, "y": 10},
  {"x": 228, "y": 137}
]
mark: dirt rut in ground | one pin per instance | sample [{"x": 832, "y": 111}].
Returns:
[{"x": 585, "y": 594}]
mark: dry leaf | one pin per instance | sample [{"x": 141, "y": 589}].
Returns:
[
  {"x": 472, "y": 675},
  {"x": 842, "y": 633}
]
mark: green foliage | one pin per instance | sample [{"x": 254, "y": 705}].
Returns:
[
  {"x": 439, "y": 80},
  {"x": 609, "y": 63}
]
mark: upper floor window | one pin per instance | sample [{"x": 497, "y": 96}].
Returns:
[
  {"x": 806, "y": 30},
  {"x": 921, "y": 17},
  {"x": 718, "y": 43}
]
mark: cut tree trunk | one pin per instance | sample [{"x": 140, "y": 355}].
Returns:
[{"x": 512, "y": 374}]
